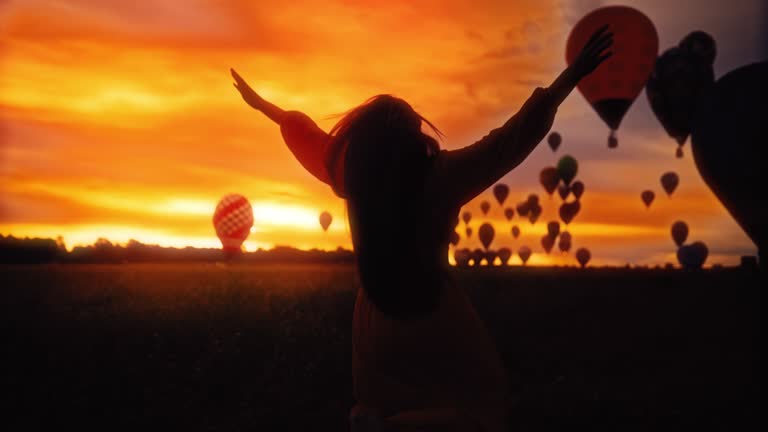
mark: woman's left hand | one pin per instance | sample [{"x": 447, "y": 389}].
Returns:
[{"x": 593, "y": 53}]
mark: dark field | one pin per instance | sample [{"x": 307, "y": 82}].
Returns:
[{"x": 203, "y": 347}]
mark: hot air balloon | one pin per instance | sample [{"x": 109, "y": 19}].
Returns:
[
  {"x": 504, "y": 255},
  {"x": 692, "y": 256},
  {"x": 553, "y": 228},
  {"x": 477, "y": 256},
  {"x": 523, "y": 209},
  {"x": 554, "y": 140},
  {"x": 613, "y": 86},
  {"x": 486, "y": 233},
  {"x": 490, "y": 257},
  {"x": 515, "y": 231},
  {"x": 647, "y": 196},
  {"x": 583, "y": 256},
  {"x": 468, "y": 232},
  {"x": 535, "y": 212},
  {"x": 547, "y": 242},
  {"x": 549, "y": 178},
  {"x": 727, "y": 139},
  {"x": 566, "y": 236},
  {"x": 462, "y": 257},
  {"x": 567, "y": 167},
  {"x": 564, "y": 244},
  {"x": 325, "y": 220},
  {"x": 680, "y": 77},
  {"x": 524, "y": 253},
  {"x": 500, "y": 192},
  {"x": 484, "y": 207},
  {"x": 466, "y": 217},
  {"x": 564, "y": 190},
  {"x": 669, "y": 182},
  {"x": 454, "y": 238},
  {"x": 233, "y": 219},
  {"x": 509, "y": 213},
  {"x": 533, "y": 199},
  {"x": 568, "y": 211},
  {"x": 577, "y": 188},
  {"x": 679, "y": 232}
]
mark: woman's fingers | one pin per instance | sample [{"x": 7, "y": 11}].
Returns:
[{"x": 597, "y": 34}]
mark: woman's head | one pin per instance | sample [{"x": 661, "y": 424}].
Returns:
[{"x": 385, "y": 156}]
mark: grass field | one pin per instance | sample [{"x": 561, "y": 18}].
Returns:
[{"x": 198, "y": 347}]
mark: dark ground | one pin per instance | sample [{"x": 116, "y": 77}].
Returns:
[{"x": 198, "y": 347}]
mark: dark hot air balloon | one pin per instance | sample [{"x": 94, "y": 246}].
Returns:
[
  {"x": 554, "y": 140},
  {"x": 535, "y": 212},
  {"x": 679, "y": 232},
  {"x": 568, "y": 211},
  {"x": 565, "y": 235},
  {"x": 583, "y": 256},
  {"x": 549, "y": 178},
  {"x": 477, "y": 256},
  {"x": 613, "y": 86},
  {"x": 490, "y": 257},
  {"x": 533, "y": 199},
  {"x": 577, "y": 188},
  {"x": 680, "y": 77},
  {"x": 504, "y": 255},
  {"x": 484, "y": 207},
  {"x": 515, "y": 231},
  {"x": 454, "y": 238},
  {"x": 553, "y": 228},
  {"x": 524, "y": 253},
  {"x": 462, "y": 257},
  {"x": 728, "y": 137},
  {"x": 567, "y": 167},
  {"x": 523, "y": 209},
  {"x": 547, "y": 242},
  {"x": 486, "y": 233},
  {"x": 468, "y": 232},
  {"x": 500, "y": 192},
  {"x": 563, "y": 190},
  {"x": 233, "y": 219},
  {"x": 509, "y": 213},
  {"x": 647, "y": 196},
  {"x": 466, "y": 217},
  {"x": 325, "y": 220},
  {"x": 669, "y": 182},
  {"x": 564, "y": 244},
  {"x": 692, "y": 256}
]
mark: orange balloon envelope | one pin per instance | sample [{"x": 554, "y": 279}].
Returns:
[
  {"x": 615, "y": 84},
  {"x": 325, "y": 220},
  {"x": 233, "y": 219}
]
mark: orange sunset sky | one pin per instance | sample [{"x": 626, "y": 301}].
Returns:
[{"x": 118, "y": 119}]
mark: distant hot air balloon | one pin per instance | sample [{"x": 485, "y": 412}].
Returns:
[
  {"x": 462, "y": 257},
  {"x": 504, "y": 255},
  {"x": 679, "y": 232},
  {"x": 669, "y": 182},
  {"x": 728, "y": 139},
  {"x": 692, "y": 256},
  {"x": 500, "y": 192},
  {"x": 549, "y": 178},
  {"x": 547, "y": 242},
  {"x": 485, "y": 206},
  {"x": 577, "y": 188},
  {"x": 563, "y": 190},
  {"x": 554, "y": 140},
  {"x": 565, "y": 235},
  {"x": 325, "y": 220},
  {"x": 553, "y": 228},
  {"x": 477, "y": 256},
  {"x": 454, "y": 238},
  {"x": 535, "y": 212},
  {"x": 613, "y": 86},
  {"x": 523, "y": 209},
  {"x": 490, "y": 257},
  {"x": 583, "y": 256},
  {"x": 564, "y": 244},
  {"x": 486, "y": 233},
  {"x": 515, "y": 231},
  {"x": 533, "y": 199},
  {"x": 567, "y": 167},
  {"x": 524, "y": 253},
  {"x": 568, "y": 211},
  {"x": 647, "y": 196},
  {"x": 468, "y": 232},
  {"x": 509, "y": 213},
  {"x": 680, "y": 77},
  {"x": 233, "y": 219}
]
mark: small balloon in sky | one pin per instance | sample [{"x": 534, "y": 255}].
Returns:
[
  {"x": 567, "y": 167},
  {"x": 547, "y": 242},
  {"x": 505, "y": 254},
  {"x": 500, "y": 192},
  {"x": 515, "y": 231},
  {"x": 679, "y": 232},
  {"x": 647, "y": 196},
  {"x": 549, "y": 178},
  {"x": 554, "y": 140},
  {"x": 325, "y": 220},
  {"x": 669, "y": 182},
  {"x": 509, "y": 213},
  {"x": 583, "y": 256},
  {"x": 466, "y": 217},
  {"x": 232, "y": 220},
  {"x": 486, "y": 234},
  {"x": 577, "y": 188},
  {"x": 524, "y": 253},
  {"x": 484, "y": 207}
]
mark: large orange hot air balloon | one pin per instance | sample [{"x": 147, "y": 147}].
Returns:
[
  {"x": 233, "y": 219},
  {"x": 325, "y": 220},
  {"x": 612, "y": 87}
]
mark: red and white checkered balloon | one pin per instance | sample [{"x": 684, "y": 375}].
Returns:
[{"x": 233, "y": 220}]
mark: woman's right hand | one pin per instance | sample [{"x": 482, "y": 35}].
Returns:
[{"x": 249, "y": 96}]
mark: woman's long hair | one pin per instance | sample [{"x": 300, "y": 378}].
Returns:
[{"x": 385, "y": 160}]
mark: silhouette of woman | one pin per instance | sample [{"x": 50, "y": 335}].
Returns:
[{"x": 422, "y": 358}]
